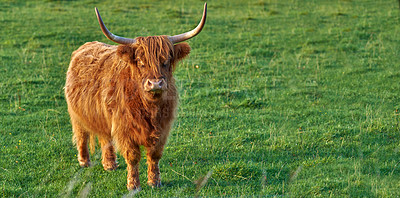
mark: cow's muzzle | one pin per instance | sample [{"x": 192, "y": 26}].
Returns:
[{"x": 155, "y": 85}]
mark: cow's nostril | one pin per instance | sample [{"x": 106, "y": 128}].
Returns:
[
  {"x": 155, "y": 84},
  {"x": 149, "y": 83}
]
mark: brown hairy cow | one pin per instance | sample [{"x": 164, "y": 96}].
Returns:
[{"x": 126, "y": 96}]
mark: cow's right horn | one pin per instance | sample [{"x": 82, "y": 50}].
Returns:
[
  {"x": 188, "y": 35},
  {"x": 111, "y": 36}
]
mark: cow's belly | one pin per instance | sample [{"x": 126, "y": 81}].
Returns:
[{"x": 85, "y": 107}]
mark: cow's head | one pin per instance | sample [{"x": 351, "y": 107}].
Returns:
[{"x": 153, "y": 58}]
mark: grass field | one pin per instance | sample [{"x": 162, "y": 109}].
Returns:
[{"x": 278, "y": 98}]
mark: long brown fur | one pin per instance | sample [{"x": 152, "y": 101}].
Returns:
[{"x": 105, "y": 97}]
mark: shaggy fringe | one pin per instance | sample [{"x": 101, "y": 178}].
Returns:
[{"x": 154, "y": 49}]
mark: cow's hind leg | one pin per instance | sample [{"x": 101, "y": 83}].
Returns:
[
  {"x": 154, "y": 154},
  {"x": 80, "y": 138},
  {"x": 108, "y": 153}
]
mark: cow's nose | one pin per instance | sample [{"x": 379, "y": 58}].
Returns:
[{"x": 155, "y": 84}]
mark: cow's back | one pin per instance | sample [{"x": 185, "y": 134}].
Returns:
[{"x": 88, "y": 79}]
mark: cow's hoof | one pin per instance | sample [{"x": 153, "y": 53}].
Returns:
[
  {"x": 85, "y": 163},
  {"x": 154, "y": 184},
  {"x": 134, "y": 188},
  {"x": 109, "y": 166}
]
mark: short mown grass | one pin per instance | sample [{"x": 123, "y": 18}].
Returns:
[{"x": 278, "y": 98}]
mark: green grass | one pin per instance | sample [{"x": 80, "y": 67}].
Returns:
[{"x": 278, "y": 98}]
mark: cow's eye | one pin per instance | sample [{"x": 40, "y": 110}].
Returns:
[
  {"x": 140, "y": 63},
  {"x": 165, "y": 64}
]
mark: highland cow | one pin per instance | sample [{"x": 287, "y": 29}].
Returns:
[{"x": 125, "y": 95}]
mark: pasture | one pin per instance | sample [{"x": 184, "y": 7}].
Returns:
[{"x": 277, "y": 98}]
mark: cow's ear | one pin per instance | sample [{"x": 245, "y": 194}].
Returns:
[
  {"x": 181, "y": 50},
  {"x": 126, "y": 53}
]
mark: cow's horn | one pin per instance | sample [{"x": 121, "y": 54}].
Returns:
[
  {"x": 188, "y": 35},
  {"x": 111, "y": 36}
]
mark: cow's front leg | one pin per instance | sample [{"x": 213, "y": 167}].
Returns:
[
  {"x": 131, "y": 154},
  {"x": 108, "y": 153},
  {"x": 154, "y": 154}
]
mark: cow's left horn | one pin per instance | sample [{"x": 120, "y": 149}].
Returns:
[
  {"x": 111, "y": 36},
  {"x": 188, "y": 35}
]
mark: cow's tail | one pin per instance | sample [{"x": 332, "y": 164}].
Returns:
[{"x": 92, "y": 143}]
